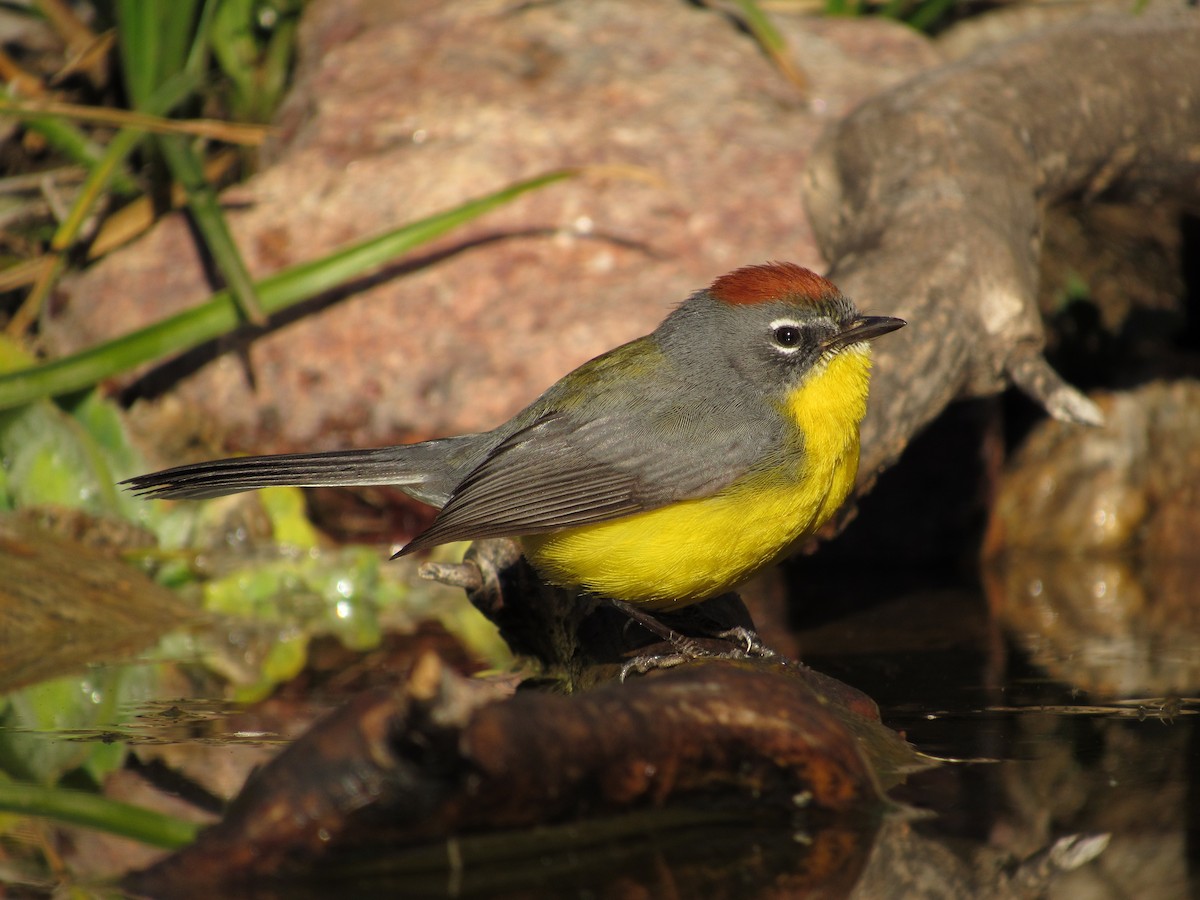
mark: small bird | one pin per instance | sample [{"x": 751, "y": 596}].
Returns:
[{"x": 661, "y": 473}]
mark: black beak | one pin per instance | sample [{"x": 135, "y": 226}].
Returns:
[{"x": 864, "y": 328}]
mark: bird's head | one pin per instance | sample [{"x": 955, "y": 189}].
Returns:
[{"x": 775, "y": 325}]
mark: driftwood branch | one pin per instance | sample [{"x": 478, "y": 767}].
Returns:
[
  {"x": 928, "y": 202},
  {"x": 443, "y": 756}
]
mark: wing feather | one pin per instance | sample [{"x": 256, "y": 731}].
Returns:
[
  {"x": 540, "y": 479},
  {"x": 557, "y": 473},
  {"x": 619, "y": 450}
]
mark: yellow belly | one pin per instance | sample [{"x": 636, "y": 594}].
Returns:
[{"x": 696, "y": 549}]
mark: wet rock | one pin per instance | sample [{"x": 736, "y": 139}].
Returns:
[
  {"x": 404, "y": 108},
  {"x": 1108, "y": 625},
  {"x": 1091, "y": 546},
  {"x": 1128, "y": 487}
]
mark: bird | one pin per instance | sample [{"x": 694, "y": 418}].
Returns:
[{"x": 661, "y": 473}]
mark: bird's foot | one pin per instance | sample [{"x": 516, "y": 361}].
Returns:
[
  {"x": 644, "y": 663},
  {"x": 748, "y": 637},
  {"x": 648, "y": 662},
  {"x": 747, "y": 643}
]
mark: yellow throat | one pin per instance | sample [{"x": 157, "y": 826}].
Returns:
[{"x": 695, "y": 549}]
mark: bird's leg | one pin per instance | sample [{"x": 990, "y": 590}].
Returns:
[
  {"x": 685, "y": 648},
  {"x": 658, "y": 628}
]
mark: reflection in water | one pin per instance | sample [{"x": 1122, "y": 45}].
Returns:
[
  {"x": 1076, "y": 735},
  {"x": 1078, "y": 722},
  {"x": 1118, "y": 754},
  {"x": 1109, "y": 625},
  {"x": 663, "y": 853}
]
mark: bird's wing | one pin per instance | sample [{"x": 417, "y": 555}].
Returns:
[{"x": 558, "y": 473}]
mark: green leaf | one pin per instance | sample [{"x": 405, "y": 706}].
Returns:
[
  {"x": 285, "y": 508},
  {"x": 31, "y": 740},
  {"x": 50, "y": 459},
  {"x": 256, "y": 64},
  {"x": 94, "y": 811},
  {"x": 52, "y": 456}
]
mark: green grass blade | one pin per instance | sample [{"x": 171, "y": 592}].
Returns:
[
  {"x": 928, "y": 13},
  {"x": 210, "y": 222},
  {"x": 173, "y": 91},
  {"x": 276, "y": 292},
  {"x": 842, "y": 8},
  {"x": 155, "y": 37},
  {"x": 169, "y": 94},
  {"x": 197, "y": 59},
  {"x": 761, "y": 27},
  {"x": 177, "y": 21},
  {"x": 772, "y": 41},
  {"x": 75, "y": 145},
  {"x": 234, "y": 47},
  {"x": 95, "y": 811},
  {"x": 139, "y": 47}
]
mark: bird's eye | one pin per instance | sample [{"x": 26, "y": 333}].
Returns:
[{"x": 787, "y": 335}]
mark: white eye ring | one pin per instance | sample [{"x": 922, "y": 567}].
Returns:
[{"x": 786, "y": 335}]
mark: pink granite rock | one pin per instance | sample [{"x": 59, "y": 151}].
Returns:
[{"x": 402, "y": 108}]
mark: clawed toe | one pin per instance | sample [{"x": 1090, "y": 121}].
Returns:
[{"x": 749, "y": 637}]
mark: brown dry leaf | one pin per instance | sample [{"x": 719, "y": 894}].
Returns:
[{"x": 64, "y": 605}]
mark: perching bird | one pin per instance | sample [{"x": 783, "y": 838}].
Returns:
[{"x": 663, "y": 472}]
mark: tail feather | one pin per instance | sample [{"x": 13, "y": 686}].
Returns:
[{"x": 428, "y": 471}]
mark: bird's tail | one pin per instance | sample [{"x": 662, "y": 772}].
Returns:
[{"x": 427, "y": 471}]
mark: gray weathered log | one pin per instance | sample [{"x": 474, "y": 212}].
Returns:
[{"x": 928, "y": 202}]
